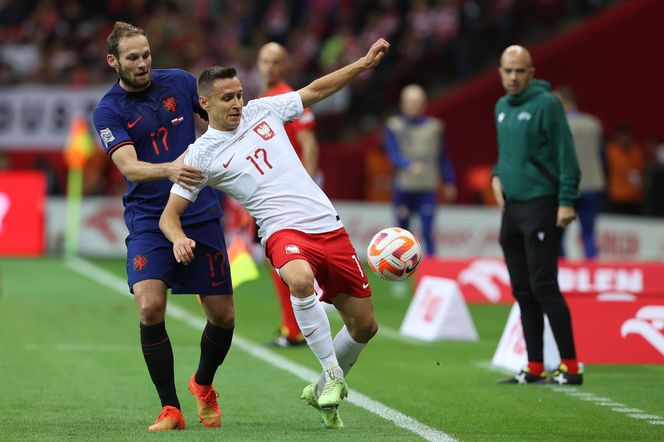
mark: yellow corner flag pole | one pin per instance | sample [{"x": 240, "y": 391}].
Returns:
[
  {"x": 243, "y": 266},
  {"x": 78, "y": 149}
]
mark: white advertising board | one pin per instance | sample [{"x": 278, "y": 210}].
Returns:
[
  {"x": 461, "y": 231},
  {"x": 39, "y": 117}
]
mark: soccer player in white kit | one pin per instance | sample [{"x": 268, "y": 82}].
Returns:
[{"x": 246, "y": 153}]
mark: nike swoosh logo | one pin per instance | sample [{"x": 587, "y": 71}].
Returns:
[
  {"x": 229, "y": 161},
  {"x": 131, "y": 124},
  {"x": 314, "y": 330},
  {"x": 365, "y": 285},
  {"x": 217, "y": 284}
]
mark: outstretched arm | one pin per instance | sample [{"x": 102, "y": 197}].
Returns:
[
  {"x": 169, "y": 223},
  {"x": 329, "y": 84}
]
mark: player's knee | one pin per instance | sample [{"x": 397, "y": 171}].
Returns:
[
  {"x": 224, "y": 318},
  {"x": 152, "y": 312},
  {"x": 301, "y": 285},
  {"x": 363, "y": 331}
]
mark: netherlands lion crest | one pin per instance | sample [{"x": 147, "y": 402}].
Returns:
[
  {"x": 170, "y": 104},
  {"x": 140, "y": 262}
]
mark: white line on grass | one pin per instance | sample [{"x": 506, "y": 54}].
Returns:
[
  {"x": 634, "y": 413},
  {"x": 103, "y": 277}
]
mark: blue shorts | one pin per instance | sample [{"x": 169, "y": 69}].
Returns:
[{"x": 150, "y": 256}]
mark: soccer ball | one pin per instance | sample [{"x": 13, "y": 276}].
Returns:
[{"x": 394, "y": 254}]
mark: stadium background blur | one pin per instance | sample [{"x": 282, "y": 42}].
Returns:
[
  {"x": 602, "y": 49},
  {"x": 64, "y": 319}
]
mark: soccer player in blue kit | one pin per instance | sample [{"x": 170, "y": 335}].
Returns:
[{"x": 146, "y": 121}]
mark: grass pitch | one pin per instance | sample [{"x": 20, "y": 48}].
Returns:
[{"x": 71, "y": 369}]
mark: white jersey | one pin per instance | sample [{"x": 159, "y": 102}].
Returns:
[{"x": 257, "y": 165}]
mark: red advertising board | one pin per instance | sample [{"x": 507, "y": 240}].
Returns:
[
  {"x": 617, "y": 308},
  {"x": 618, "y": 332},
  {"x": 487, "y": 281},
  {"x": 22, "y": 200}
]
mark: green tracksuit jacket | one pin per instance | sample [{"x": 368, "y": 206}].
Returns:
[{"x": 536, "y": 155}]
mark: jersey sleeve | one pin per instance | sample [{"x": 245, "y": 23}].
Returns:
[
  {"x": 560, "y": 137},
  {"x": 110, "y": 129},
  {"x": 285, "y": 107},
  {"x": 193, "y": 158}
]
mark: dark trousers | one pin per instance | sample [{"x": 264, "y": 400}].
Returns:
[
  {"x": 422, "y": 203},
  {"x": 530, "y": 241}
]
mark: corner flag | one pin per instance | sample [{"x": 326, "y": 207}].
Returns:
[
  {"x": 243, "y": 267},
  {"x": 78, "y": 149}
]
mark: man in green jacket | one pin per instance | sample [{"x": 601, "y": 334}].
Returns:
[{"x": 535, "y": 183}]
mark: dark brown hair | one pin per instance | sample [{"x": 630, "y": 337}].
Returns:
[
  {"x": 206, "y": 79},
  {"x": 120, "y": 31}
]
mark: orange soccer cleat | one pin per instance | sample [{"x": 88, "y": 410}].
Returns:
[
  {"x": 209, "y": 412},
  {"x": 170, "y": 418}
]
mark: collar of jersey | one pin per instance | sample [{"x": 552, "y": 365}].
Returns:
[{"x": 223, "y": 133}]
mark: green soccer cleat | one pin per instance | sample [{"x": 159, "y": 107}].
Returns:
[
  {"x": 329, "y": 417},
  {"x": 334, "y": 391}
]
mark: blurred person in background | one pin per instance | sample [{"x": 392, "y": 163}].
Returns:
[
  {"x": 415, "y": 144},
  {"x": 246, "y": 154},
  {"x": 272, "y": 65},
  {"x": 145, "y": 122},
  {"x": 625, "y": 168},
  {"x": 587, "y": 134},
  {"x": 535, "y": 183}
]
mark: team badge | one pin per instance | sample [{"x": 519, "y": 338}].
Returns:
[
  {"x": 264, "y": 130},
  {"x": 292, "y": 249},
  {"x": 140, "y": 262},
  {"x": 170, "y": 104},
  {"x": 106, "y": 136}
]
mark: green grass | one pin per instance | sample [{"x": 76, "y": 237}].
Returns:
[{"x": 71, "y": 369}]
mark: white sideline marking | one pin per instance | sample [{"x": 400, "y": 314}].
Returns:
[
  {"x": 633, "y": 413},
  {"x": 101, "y": 276}
]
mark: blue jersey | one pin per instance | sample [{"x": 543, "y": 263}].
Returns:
[{"x": 159, "y": 122}]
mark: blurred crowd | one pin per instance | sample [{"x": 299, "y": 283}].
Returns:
[{"x": 436, "y": 43}]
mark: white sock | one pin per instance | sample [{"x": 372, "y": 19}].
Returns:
[
  {"x": 347, "y": 350},
  {"x": 315, "y": 327}
]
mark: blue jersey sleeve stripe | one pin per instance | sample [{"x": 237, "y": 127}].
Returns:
[{"x": 112, "y": 150}]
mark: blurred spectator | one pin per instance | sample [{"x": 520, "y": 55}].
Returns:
[
  {"x": 625, "y": 167},
  {"x": 587, "y": 134},
  {"x": 416, "y": 145}
]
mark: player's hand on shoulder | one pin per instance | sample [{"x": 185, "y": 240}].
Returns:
[
  {"x": 184, "y": 175},
  {"x": 183, "y": 249}
]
